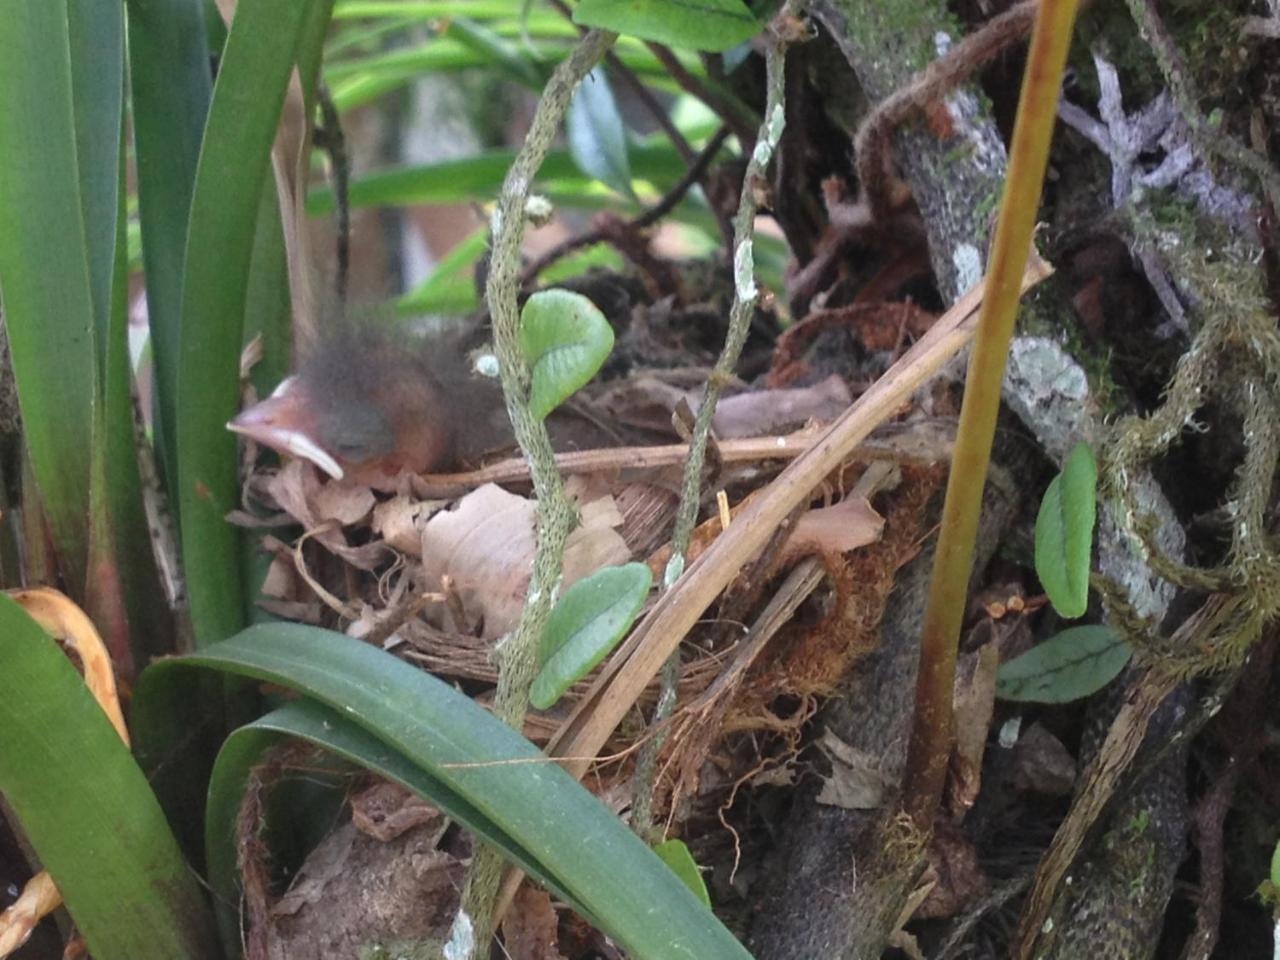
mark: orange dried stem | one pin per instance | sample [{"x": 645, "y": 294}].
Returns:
[{"x": 931, "y": 733}]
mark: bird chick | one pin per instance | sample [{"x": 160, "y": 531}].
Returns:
[{"x": 367, "y": 403}]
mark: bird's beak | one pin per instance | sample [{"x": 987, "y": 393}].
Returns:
[{"x": 280, "y": 422}]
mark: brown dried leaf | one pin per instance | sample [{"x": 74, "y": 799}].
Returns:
[
  {"x": 529, "y": 927},
  {"x": 386, "y": 810},
  {"x": 595, "y": 542},
  {"x": 975, "y": 700}
]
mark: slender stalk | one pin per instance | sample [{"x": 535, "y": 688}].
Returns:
[
  {"x": 746, "y": 294},
  {"x": 931, "y": 733},
  {"x": 556, "y": 516}
]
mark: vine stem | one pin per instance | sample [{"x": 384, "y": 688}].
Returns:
[
  {"x": 931, "y": 734},
  {"x": 517, "y": 655},
  {"x": 746, "y": 294}
]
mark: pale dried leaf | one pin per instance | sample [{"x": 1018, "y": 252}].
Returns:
[
  {"x": 595, "y": 542},
  {"x": 400, "y": 521},
  {"x": 386, "y": 810},
  {"x": 343, "y": 503},
  {"x": 856, "y": 781},
  {"x": 486, "y": 545},
  {"x": 850, "y": 524},
  {"x": 281, "y": 581},
  {"x": 759, "y": 413}
]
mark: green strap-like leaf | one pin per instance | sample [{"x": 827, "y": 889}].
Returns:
[
  {"x": 566, "y": 339},
  {"x": 54, "y": 285},
  {"x": 88, "y": 810},
  {"x": 1069, "y": 666},
  {"x": 597, "y": 136},
  {"x": 171, "y": 83},
  {"x": 713, "y": 25},
  {"x": 585, "y": 624},
  {"x": 231, "y": 176},
  {"x": 675, "y": 854},
  {"x": 1064, "y": 533},
  {"x": 483, "y": 771}
]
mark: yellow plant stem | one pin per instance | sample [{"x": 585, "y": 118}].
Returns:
[{"x": 931, "y": 734}]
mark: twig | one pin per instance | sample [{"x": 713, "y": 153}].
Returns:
[
  {"x": 1211, "y": 137},
  {"x": 871, "y": 144},
  {"x": 745, "y": 296},
  {"x": 922, "y": 441},
  {"x": 647, "y": 218},
  {"x": 556, "y": 516}
]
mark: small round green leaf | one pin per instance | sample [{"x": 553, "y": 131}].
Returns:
[
  {"x": 1071, "y": 665},
  {"x": 587, "y": 622},
  {"x": 1064, "y": 533},
  {"x": 566, "y": 339},
  {"x": 597, "y": 136},
  {"x": 675, "y": 854}
]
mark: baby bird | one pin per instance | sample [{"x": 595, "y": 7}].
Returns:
[{"x": 367, "y": 403}]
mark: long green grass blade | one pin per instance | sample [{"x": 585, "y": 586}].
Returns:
[
  {"x": 49, "y": 296},
  {"x": 482, "y": 771},
  {"x": 232, "y": 173},
  {"x": 122, "y": 594},
  {"x": 169, "y": 72},
  {"x": 480, "y": 176},
  {"x": 87, "y": 809}
]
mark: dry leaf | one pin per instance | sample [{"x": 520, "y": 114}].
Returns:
[
  {"x": 759, "y": 413},
  {"x": 529, "y": 927},
  {"x": 850, "y": 524},
  {"x": 386, "y": 810},
  {"x": 856, "y": 781},
  {"x": 485, "y": 544},
  {"x": 975, "y": 699},
  {"x": 344, "y": 503},
  {"x": 401, "y": 519}
]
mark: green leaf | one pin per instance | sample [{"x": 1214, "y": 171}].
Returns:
[
  {"x": 393, "y": 717},
  {"x": 233, "y": 172},
  {"x": 566, "y": 339},
  {"x": 712, "y": 25},
  {"x": 1071, "y": 665},
  {"x": 675, "y": 854},
  {"x": 1064, "y": 533},
  {"x": 54, "y": 284},
  {"x": 87, "y": 809},
  {"x": 478, "y": 177},
  {"x": 585, "y": 624},
  {"x": 171, "y": 85},
  {"x": 597, "y": 137}
]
